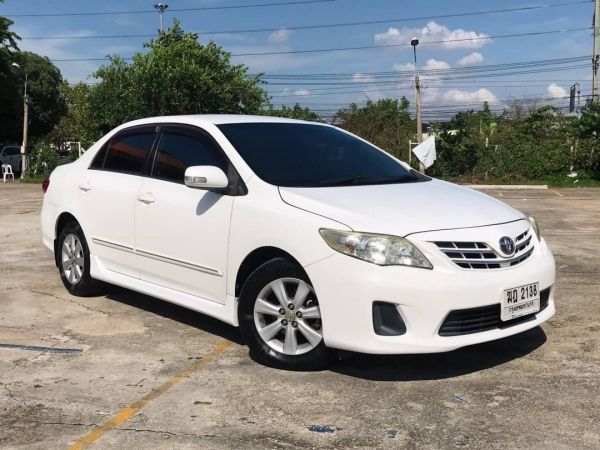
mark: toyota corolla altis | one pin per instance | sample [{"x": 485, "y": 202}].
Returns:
[{"x": 305, "y": 236}]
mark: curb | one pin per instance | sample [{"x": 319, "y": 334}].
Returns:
[{"x": 509, "y": 187}]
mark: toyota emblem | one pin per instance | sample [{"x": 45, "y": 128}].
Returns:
[{"x": 507, "y": 246}]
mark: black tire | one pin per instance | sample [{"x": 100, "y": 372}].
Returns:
[
  {"x": 84, "y": 285},
  {"x": 275, "y": 269}
]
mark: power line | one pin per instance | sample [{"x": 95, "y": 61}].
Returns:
[
  {"x": 318, "y": 26},
  {"x": 367, "y": 47},
  {"x": 371, "y": 47},
  {"x": 438, "y": 79},
  {"x": 148, "y": 11},
  {"x": 460, "y": 69}
]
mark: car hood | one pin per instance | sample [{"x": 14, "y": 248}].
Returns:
[{"x": 402, "y": 209}]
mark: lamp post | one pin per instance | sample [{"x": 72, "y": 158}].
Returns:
[
  {"x": 160, "y": 7},
  {"x": 25, "y": 121},
  {"x": 414, "y": 42}
]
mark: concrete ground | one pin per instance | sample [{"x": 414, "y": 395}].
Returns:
[{"x": 126, "y": 370}]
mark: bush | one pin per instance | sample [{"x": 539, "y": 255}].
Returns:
[{"x": 43, "y": 159}]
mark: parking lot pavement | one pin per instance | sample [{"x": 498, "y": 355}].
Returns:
[{"x": 126, "y": 370}]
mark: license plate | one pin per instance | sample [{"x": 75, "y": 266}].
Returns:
[{"x": 520, "y": 301}]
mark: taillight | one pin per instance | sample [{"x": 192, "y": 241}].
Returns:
[{"x": 45, "y": 184}]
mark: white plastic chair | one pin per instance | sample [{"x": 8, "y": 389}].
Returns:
[{"x": 7, "y": 173}]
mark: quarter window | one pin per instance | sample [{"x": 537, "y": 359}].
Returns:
[
  {"x": 127, "y": 153},
  {"x": 178, "y": 151}
]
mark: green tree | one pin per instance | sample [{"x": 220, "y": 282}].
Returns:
[
  {"x": 46, "y": 105},
  {"x": 78, "y": 123},
  {"x": 295, "y": 112},
  {"x": 386, "y": 123},
  {"x": 8, "y": 80},
  {"x": 177, "y": 75},
  {"x": 589, "y": 129}
]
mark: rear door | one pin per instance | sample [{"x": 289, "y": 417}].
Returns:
[
  {"x": 108, "y": 196},
  {"x": 182, "y": 233}
]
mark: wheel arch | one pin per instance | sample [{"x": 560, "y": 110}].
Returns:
[
  {"x": 255, "y": 259},
  {"x": 61, "y": 221}
]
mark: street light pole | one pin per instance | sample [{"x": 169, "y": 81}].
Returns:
[
  {"x": 25, "y": 122},
  {"x": 160, "y": 7},
  {"x": 414, "y": 42},
  {"x": 595, "y": 56}
]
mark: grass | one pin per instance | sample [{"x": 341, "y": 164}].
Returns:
[
  {"x": 584, "y": 179},
  {"x": 34, "y": 179}
]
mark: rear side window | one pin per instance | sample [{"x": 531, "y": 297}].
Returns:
[
  {"x": 12, "y": 151},
  {"x": 179, "y": 150},
  {"x": 127, "y": 153}
]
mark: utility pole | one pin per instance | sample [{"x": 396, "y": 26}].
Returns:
[
  {"x": 414, "y": 42},
  {"x": 596, "y": 49},
  {"x": 160, "y": 7},
  {"x": 25, "y": 122}
]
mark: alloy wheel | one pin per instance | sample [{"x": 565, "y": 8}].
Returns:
[
  {"x": 72, "y": 258},
  {"x": 287, "y": 316}
]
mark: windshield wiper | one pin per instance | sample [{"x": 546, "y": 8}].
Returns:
[{"x": 354, "y": 181}]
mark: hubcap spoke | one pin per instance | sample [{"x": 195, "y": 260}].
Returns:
[
  {"x": 301, "y": 294},
  {"x": 78, "y": 272},
  {"x": 311, "y": 335},
  {"x": 270, "y": 331},
  {"x": 267, "y": 308},
  {"x": 279, "y": 290},
  {"x": 311, "y": 313},
  {"x": 290, "y": 346}
]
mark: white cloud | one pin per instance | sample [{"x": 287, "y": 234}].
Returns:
[
  {"x": 434, "y": 64},
  {"x": 409, "y": 67},
  {"x": 556, "y": 91},
  {"x": 362, "y": 78},
  {"x": 302, "y": 93},
  {"x": 471, "y": 60},
  {"x": 434, "y": 32},
  {"x": 279, "y": 36},
  {"x": 479, "y": 95}
]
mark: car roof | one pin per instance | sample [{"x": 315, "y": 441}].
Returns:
[{"x": 216, "y": 119}]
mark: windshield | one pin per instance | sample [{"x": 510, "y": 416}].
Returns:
[{"x": 305, "y": 155}]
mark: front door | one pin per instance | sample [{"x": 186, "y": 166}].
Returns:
[{"x": 182, "y": 233}]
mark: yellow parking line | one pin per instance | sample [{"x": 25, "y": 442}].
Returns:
[
  {"x": 129, "y": 411},
  {"x": 554, "y": 191}
]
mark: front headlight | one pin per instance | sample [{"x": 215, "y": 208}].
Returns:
[
  {"x": 535, "y": 226},
  {"x": 378, "y": 249}
]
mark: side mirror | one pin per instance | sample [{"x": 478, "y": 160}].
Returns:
[{"x": 205, "y": 177}]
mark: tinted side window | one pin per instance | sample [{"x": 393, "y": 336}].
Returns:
[
  {"x": 98, "y": 161},
  {"x": 127, "y": 153},
  {"x": 176, "y": 152},
  {"x": 11, "y": 151}
]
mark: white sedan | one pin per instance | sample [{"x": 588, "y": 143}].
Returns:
[{"x": 305, "y": 236}]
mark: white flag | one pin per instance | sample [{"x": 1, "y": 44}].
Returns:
[{"x": 425, "y": 151}]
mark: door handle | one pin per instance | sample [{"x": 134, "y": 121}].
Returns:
[
  {"x": 85, "y": 187},
  {"x": 146, "y": 198}
]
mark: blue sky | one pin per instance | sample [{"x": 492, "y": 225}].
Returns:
[{"x": 359, "y": 85}]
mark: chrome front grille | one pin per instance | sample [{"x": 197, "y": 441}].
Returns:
[{"x": 479, "y": 255}]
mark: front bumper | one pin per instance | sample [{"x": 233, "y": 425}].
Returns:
[{"x": 347, "y": 287}]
